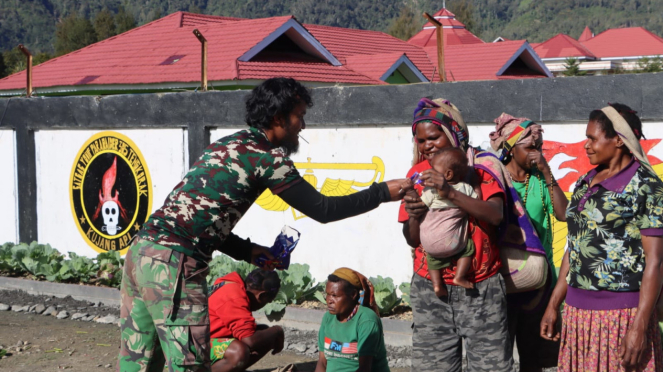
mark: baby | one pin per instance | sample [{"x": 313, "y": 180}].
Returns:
[{"x": 444, "y": 229}]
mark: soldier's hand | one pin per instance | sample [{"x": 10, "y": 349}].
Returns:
[
  {"x": 396, "y": 192},
  {"x": 257, "y": 251}
]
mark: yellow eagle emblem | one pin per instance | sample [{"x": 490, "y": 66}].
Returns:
[{"x": 330, "y": 187}]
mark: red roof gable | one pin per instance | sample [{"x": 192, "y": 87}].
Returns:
[
  {"x": 452, "y": 36},
  {"x": 562, "y": 46},
  {"x": 345, "y": 43},
  {"x": 455, "y": 32},
  {"x": 444, "y": 12},
  {"x": 625, "y": 42},
  {"x": 375, "y": 65},
  {"x": 480, "y": 61},
  {"x": 586, "y": 35}
]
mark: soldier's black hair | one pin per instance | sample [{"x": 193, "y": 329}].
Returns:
[
  {"x": 273, "y": 98},
  {"x": 262, "y": 280},
  {"x": 626, "y": 112}
]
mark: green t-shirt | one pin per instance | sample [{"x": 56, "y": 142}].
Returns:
[
  {"x": 540, "y": 214},
  {"x": 344, "y": 343}
]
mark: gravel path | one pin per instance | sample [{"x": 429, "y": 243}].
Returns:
[{"x": 62, "y": 333}]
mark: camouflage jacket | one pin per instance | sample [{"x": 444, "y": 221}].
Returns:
[{"x": 200, "y": 213}]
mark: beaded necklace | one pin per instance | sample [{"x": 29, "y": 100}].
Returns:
[
  {"x": 550, "y": 221},
  {"x": 354, "y": 312}
]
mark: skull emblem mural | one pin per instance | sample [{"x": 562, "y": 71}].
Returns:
[
  {"x": 111, "y": 191},
  {"x": 110, "y": 207}
]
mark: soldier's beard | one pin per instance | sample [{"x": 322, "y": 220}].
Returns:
[{"x": 290, "y": 144}]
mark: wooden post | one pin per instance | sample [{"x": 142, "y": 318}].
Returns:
[
  {"x": 440, "y": 46},
  {"x": 203, "y": 62},
  {"x": 28, "y": 69}
]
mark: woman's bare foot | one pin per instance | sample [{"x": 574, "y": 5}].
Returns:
[
  {"x": 440, "y": 291},
  {"x": 463, "y": 283}
]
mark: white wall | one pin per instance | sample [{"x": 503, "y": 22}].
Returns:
[
  {"x": 163, "y": 150},
  {"x": 8, "y": 195},
  {"x": 371, "y": 243}
]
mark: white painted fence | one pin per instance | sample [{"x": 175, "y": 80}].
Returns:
[{"x": 371, "y": 243}]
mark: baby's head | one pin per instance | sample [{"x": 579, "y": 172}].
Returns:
[{"x": 451, "y": 162}]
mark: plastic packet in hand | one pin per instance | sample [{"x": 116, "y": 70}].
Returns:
[
  {"x": 416, "y": 178},
  {"x": 283, "y": 246}
]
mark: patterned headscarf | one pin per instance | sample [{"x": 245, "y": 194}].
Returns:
[
  {"x": 446, "y": 115},
  {"x": 365, "y": 287},
  {"x": 510, "y": 131}
]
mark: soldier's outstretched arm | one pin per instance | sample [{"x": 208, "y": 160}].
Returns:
[{"x": 309, "y": 201}]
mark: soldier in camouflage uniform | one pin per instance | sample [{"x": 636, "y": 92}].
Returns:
[{"x": 164, "y": 313}]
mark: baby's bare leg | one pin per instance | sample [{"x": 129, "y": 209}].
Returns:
[
  {"x": 462, "y": 268},
  {"x": 438, "y": 284}
]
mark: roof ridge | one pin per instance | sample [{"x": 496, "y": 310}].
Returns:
[
  {"x": 345, "y": 29},
  {"x": 189, "y": 14},
  {"x": 573, "y": 42}
]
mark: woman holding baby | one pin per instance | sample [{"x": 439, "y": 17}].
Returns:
[{"x": 476, "y": 315}]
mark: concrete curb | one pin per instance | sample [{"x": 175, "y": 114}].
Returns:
[
  {"x": 104, "y": 295},
  {"x": 396, "y": 332}
]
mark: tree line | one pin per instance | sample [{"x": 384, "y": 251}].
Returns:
[{"x": 73, "y": 32}]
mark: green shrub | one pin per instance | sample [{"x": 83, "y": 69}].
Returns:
[
  {"x": 110, "y": 268},
  {"x": 223, "y": 265},
  {"x": 79, "y": 268},
  {"x": 405, "y": 290},
  {"x": 37, "y": 259},
  {"x": 385, "y": 294},
  {"x": 7, "y": 263}
]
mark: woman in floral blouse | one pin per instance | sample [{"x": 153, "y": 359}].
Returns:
[{"x": 614, "y": 262}]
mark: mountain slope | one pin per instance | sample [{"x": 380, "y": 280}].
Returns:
[{"x": 32, "y": 22}]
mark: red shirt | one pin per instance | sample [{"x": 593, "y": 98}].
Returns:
[
  {"x": 229, "y": 312},
  {"x": 486, "y": 262}
]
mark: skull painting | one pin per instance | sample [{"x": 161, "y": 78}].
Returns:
[
  {"x": 110, "y": 212},
  {"x": 109, "y": 206}
]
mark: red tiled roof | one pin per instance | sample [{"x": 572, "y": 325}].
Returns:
[
  {"x": 344, "y": 43},
  {"x": 444, "y": 12},
  {"x": 166, "y": 51},
  {"x": 625, "y": 42},
  {"x": 455, "y": 32},
  {"x": 192, "y": 19},
  {"x": 445, "y": 17},
  {"x": 562, "y": 46},
  {"x": 374, "y": 65},
  {"x": 586, "y": 35},
  {"x": 479, "y": 61},
  {"x": 318, "y": 72},
  {"x": 446, "y": 22},
  {"x": 452, "y": 36}
]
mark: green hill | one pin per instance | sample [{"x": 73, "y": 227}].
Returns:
[{"x": 32, "y": 22}]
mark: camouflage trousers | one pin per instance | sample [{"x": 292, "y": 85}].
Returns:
[
  {"x": 164, "y": 316},
  {"x": 477, "y": 316}
]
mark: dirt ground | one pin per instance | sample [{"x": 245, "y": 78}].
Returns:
[{"x": 55, "y": 345}]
